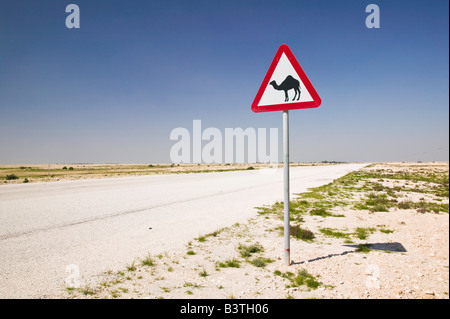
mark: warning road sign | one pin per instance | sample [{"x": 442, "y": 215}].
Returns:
[{"x": 285, "y": 86}]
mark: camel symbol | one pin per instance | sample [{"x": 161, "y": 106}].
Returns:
[{"x": 288, "y": 84}]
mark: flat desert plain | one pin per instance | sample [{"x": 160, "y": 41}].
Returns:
[
  {"x": 378, "y": 232},
  {"x": 18, "y": 174}
]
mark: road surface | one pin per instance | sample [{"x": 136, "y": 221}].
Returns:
[{"x": 104, "y": 224}]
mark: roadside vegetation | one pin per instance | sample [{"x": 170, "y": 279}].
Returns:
[
  {"x": 372, "y": 190},
  {"x": 302, "y": 277}
]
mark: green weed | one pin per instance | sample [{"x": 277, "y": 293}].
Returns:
[
  {"x": 147, "y": 261},
  {"x": 260, "y": 261},
  {"x": 247, "y": 251},
  {"x": 363, "y": 233},
  {"x": 301, "y": 278},
  {"x": 230, "y": 263},
  {"x": 333, "y": 233},
  {"x": 363, "y": 249}
]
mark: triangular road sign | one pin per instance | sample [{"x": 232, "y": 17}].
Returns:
[{"x": 285, "y": 86}]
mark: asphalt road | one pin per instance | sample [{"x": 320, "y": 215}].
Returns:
[{"x": 103, "y": 224}]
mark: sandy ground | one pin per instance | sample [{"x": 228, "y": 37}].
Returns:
[
  {"x": 51, "y": 232},
  {"x": 411, "y": 260}
]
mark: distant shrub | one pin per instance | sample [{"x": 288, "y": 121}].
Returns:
[
  {"x": 11, "y": 177},
  {"x": 319, "y": 212},
  {"x": 363, "y": 249},
  {"x": 70, "y": 168},
  {"x": 302, "y": 278},
  {"x": 250, "y": 167},
  {"x": 148, "y": 261},
  {"x": 230, "y": 263},
  {"x": 247, "y": 251},
  {"x": 405, "y": 205},
  {"x": 363, "y": 233},
  {"x": 260, "y": 261},
  {"x": 26, "y": 180},
  {"x": 65, "y": 167},
  {"x": 301, "y": 233}
]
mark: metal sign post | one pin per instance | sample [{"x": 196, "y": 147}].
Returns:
[{"x": 287, "y": 245}]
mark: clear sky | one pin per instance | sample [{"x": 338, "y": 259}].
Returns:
[{"x": 113, "y": 90}]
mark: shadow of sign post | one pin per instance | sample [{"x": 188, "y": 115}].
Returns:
[{"x": 386, "y": 247}]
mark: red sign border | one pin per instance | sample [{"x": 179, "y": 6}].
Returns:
[{"x": 291, "y": 106}]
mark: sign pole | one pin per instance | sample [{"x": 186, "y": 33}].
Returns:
[
  {"x": 287, "y": 250},
  {"x": 285, "y": 74}
]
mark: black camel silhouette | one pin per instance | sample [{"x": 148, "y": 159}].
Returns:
[{"x": 288, "y": 84}]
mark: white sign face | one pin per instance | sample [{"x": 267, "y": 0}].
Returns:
[{"x": 285, "y": 86}]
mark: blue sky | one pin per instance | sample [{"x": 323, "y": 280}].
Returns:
[{"x": 113, "y": 90}]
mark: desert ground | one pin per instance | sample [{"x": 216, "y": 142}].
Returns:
[
  {"x": 52, "y": 231},
  {"x": 378, "y": 232}
]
